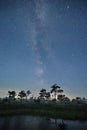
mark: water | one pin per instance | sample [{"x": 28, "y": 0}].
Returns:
[{"x": 38, "y": 123}]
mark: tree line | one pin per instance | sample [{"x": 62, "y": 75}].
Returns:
[
  {"x": 22, "y": 94},
  {"x": 56, "y": 93}
]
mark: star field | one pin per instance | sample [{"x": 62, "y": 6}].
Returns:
[{"x": 43, "y": 42}]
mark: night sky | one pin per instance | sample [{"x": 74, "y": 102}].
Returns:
[{"x": 43, "y": 42}]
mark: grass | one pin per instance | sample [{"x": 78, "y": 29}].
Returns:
[{"x": 73, "y": 112}]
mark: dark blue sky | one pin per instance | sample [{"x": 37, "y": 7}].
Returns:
[{"x": 43, "y": 42}]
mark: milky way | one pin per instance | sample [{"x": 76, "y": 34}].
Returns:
[{"x": 43, "y": 42}]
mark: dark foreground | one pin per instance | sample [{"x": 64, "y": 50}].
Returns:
[
  {"x": 39, "y": 123},
  {"x": 71, "y": 112}
]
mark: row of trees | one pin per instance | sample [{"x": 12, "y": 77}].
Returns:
[
  {"x": 55, "y": 93},
  {"x": 22, "y": 94}
]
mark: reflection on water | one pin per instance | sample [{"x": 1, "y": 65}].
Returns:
[{"x": 39, "y": 123}]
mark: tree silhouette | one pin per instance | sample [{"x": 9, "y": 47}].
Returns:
[
  {"x": 60, "y": 91},
  {"x": 42, "y": 93},
  {"x": 22, "y": 94},
  {"x": 54, "y": 90},
  {"x": 28, "y": 93},
  {"x": 12, "y": 94},
  {"x": 47, "y": 95},
  {"x": 61, "y": 97}
]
